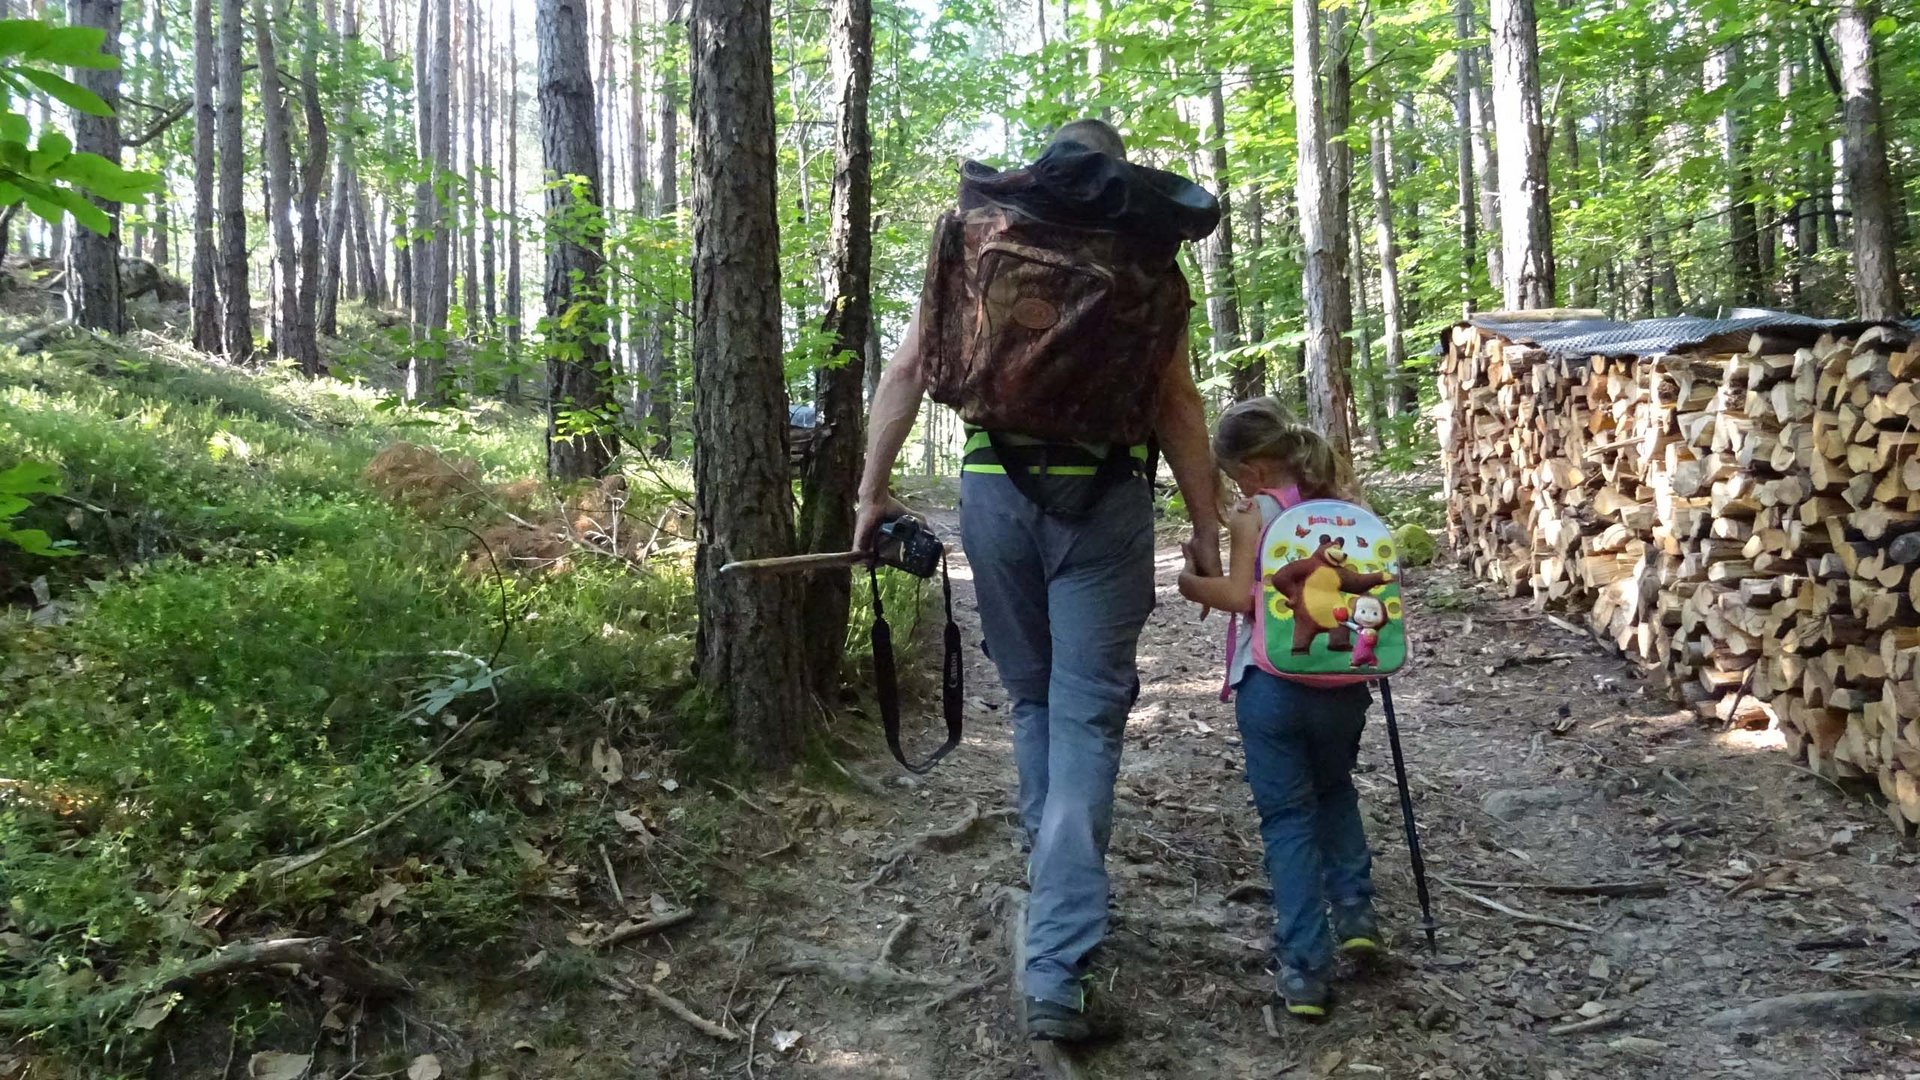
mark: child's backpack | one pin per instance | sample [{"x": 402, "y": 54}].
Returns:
[{"x": 1326, "y": 596}]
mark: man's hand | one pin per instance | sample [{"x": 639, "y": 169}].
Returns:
[
  {"x": 873, "y": 513},
  {"x": 1203, "y": 551}
]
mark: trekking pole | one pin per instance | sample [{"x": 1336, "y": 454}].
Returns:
[{"x": 1406, "y": 815}]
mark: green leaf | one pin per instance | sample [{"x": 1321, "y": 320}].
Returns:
[
  {"x": 15, "y": 127},
  {"x": 68, "y": 94},
  {"x": 56, "y": 144},
  {"x": 76, "y": 46},
  {"x": 19, "y": 37},
  {"x": 30, "y": 478},
  {"x": 83, "y": 211}
]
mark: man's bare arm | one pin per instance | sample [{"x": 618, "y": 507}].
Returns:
[
  {"x": 896, "y": 401},
  {"x": 1182, "y": 429}
]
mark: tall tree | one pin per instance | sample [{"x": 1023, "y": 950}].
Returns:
[
  {"x": 1876, "y": 274},
  {"x": 287, "y": 339},
  {"x": 234, "y": 291},
  {"x": 751, "y": 659},
  {"x": 515, "y": 304},
  {"x": 1463, "y": 83},
  {"x": 1526, "y": 222},
  {"x": 206, "y": 256},
  {"x": 659, "y": 376},
  {"x": 94, "y": 297},
  {"x": 1723, "y": 72},
  {"x": 1223, "y": 295},
  {"x": 1380, "y": 153},
  {"x": 340, "y": 237},
  {"x": 833, "y": 472},
  {"x": 305, "y": 347},
  {"x": 1323, "y": 277},
  {"x": 576, "y": 320}
]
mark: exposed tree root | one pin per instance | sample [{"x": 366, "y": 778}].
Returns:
[
  {"x": 628, "y": 931},
  {"x": 323, "y": 957},
  {"x": 1828, "y": 1008},
  {"x": 671, "y": 1004},
  {"x": 860, "y": 975},
  {"x": 943, "y": 839}
]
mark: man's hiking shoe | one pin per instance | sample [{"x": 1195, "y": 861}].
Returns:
[
  {"x": 1304, "y": 993},
  {"x": 1357, "y": 930},
  {"x": 1050, "y": 1021}
]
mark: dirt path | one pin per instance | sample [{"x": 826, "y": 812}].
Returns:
[{"x": 1536, "y": 759}]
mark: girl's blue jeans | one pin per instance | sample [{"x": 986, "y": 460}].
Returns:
[{"x": 1301, "y": 744}]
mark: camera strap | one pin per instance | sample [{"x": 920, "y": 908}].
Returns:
[{"x": 887, "y": 679}]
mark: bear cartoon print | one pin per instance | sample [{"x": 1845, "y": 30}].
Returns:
[{"x": 1316, "y": 589}]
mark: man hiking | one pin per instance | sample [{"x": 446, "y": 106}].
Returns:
[{"x": 1054, "y": 319}]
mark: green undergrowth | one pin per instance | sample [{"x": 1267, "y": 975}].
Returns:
[{"x": 253, "y": 655}]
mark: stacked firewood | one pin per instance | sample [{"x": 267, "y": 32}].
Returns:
[{"x": 1743, "y": 519}]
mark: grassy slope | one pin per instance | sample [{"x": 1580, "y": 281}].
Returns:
[{"x": 241, "y": 669}]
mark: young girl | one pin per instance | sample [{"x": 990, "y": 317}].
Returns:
[{"x": 1301, "y": 740}]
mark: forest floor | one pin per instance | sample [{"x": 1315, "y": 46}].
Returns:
[{"x": 1536, "y": 759}]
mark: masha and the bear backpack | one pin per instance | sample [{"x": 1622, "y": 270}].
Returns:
[{"x": 1326, "y": 596}]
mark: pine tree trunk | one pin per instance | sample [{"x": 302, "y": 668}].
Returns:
[
  {"x": 833, "y": 472},
  {"x": 752, "y": 655},
  {"x": 1876, "y": 276},
  {"x": 661, "y": 387},
  {"x": 279, "y": 178},
  {"x": 340, "y": 215},
  {"x": 234, "y": 291},
  {"x": 313, "y": 177},
  {"x": 206, "y": 252},
  {"x": 1723, "y": 72},
  {"x": 1463, "y": 81},
  {"x": 1323, "y": 278},
  {"x": 1526, "y": 224},
  {"x": 484, "y": 96},
  {"x": 94, "y": 297},
  {"x": 470, "y": 278},
  {"x": 512, "y": 121},
  {"x": 157, "y": 83},
  {"x": 1223, "y": 296},
  {"x": 1380, "y": 146},
  {"x": 576, "y": 353},
  {"x": 1487, "y": 181},
  {"x": 1409, "y": 278}
]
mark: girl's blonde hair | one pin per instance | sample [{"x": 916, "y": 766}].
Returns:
[{"x": 1263, "y": 429}]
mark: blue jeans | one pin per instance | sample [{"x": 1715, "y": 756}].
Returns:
[
  {"x": 1062, "y": 603},
  {"x": 1301, "y": 743}
]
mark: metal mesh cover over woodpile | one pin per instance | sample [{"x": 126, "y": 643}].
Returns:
[{"x": 1734, "y": 503}]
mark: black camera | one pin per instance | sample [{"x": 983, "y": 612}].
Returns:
[{"x": 907, "y": 544}]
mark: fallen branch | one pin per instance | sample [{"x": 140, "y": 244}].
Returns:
[
  {"x": 279, "y": 868},
  {"x": 628, "y": 931},
  {"x": 965, "y": 990},
  {"x": 1832, "y": 1008},
  {"x": 1516, "y": 913},
  {"x": 673, "y": 1005},
  {"x": 860, "y": 975},
  {"x": 1618, "y": 889},
  {"x": 319, "y": 956},
  {"x": 753, "y": 1029},
  {"x": 1581, "y": 1027}
]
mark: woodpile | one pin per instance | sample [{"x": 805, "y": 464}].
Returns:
[{"x": 1741, "y": 517}]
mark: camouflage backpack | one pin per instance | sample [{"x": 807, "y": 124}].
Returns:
[{"x": 1053, "y": 301}]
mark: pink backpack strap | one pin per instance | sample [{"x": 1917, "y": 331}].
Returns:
[{"x": 1288, "y": 497}]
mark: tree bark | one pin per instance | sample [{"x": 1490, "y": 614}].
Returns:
[
  {"x": 238, "y": 322},
  {"x": 1380, "y": 145},
  {"x": 470, "y": 277},
  {"x": 94, "y": 298},
  {"x": 1723, "y": 72},
  {"x": 751, "y": 650},
  {"x": 340, "y": 235},
  {"x": 1876, "y": 275},
  {"x": 487, "y": 212},
  {"x": 1223, "y": 295},
  {"x": 432, "y": 247},
  {"x": 1526, "y": 223},
  {"x": 1463, "y": 130},
  {"x": 1323, "y": 278},
  {"x": 206, "y": 252},
  {"x": 833, "y": 471},
  {"x": 575, "y": 325},
  {"x": 279, "y": 151},
  {"x": 157, "y": 83},
  {"x": 312, "y": 179},
  {"x": 514, "y": 306},
  {"x": 661, "y": 389}
]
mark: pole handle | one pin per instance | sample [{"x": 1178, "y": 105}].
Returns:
[{"x": 797, "y": 564}]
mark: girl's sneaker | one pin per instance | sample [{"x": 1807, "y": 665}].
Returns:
[
  {"x": 1304, "y": 993},
  {"x": 1357, "y": 930}
]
